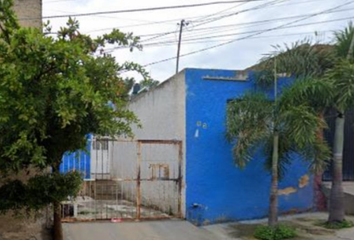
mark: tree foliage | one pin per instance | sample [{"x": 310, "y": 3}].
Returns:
[
  {"x": 38, "y": 191},
  {"x": 301, "y": 59},
  {"x": 253, "y": 119},
  {"x": 54, "y": 90},
  {"x": 324, "y": 80}
]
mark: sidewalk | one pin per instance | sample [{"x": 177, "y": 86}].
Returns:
[{"x": 304, "y": 223}]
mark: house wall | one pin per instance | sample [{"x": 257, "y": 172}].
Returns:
[
  {"x": 29, "y": 12},
  {"x": 217, "y": 190},
  {"x": 162, "y": 115},
  {"x": 78, "y": 161}
]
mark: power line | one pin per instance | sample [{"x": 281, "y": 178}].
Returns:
[
  {"x": 249, "y": 36},
  {"x": 221, "y": 17},
  {"x": 178, "y": 19},
  {"x": 212, "y": 29},
  {"x": 255, "y": 31},
  {"x": 211, "y": 41},
  {"x": 55, "y": 1},
  {"x": 158, "y": 22},
  {"x": 149, "y": 9},
  {"x": 271, "y": 4},
  {"x": 196, "y": 40}
]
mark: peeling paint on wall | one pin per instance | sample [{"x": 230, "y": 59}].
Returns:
[
  {"x": 211, "y": 176},
  {"x": 287, "y": 191},
  {"x": 304, "y": 181}
]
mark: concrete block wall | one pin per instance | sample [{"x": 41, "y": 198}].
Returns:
[
  {"x": 29, "y": 12},
  {"x": 162, "y": 115}
]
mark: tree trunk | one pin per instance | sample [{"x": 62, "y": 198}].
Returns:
[
  {"x": 336, "y": 204},
  {"x": 320, "y": 201},
  {"x": 273, "y": 201},
  {"x": 57, "y": 227}
]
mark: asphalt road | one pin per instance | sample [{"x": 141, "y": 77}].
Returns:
[{"x": 156, "y": 230}]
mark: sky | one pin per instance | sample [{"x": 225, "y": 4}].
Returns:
[{"x": 248, "y": 30}]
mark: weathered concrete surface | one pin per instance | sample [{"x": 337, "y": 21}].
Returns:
[
  {"x": 305, "y": 225},
  {"x": 161, "y": 112},
  {"x": 22, "y": 228},
  {"x": 157, "y": 230},
  {"x": 348, "y": 188},
  {"x": 29, "y": 12}
]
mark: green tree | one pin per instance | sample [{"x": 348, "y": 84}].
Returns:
[
  {"x": 329, "y": 87},
  {"x": 54, "y": 91},
  {"x": 278, "y": 129},
  {"x": 342, "y": 79}
]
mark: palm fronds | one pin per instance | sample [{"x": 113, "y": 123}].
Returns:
[
  {"x": 301, "y": 59},
  {"x": 342, "y": 79},
  {"x": 343, "y": 39},
  {"x": 253, "y": 120},
  {"x": 248, "y": 121}
]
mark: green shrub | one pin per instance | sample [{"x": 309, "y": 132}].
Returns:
[
  {"x": 274, "y": 233},
  {"x": 336, "y": 225}
]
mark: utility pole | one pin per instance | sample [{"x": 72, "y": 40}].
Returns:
[{"x": 182, "y": 24}]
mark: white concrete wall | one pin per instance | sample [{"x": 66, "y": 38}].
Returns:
[
  {"x": 161, "y": 112},
  {"x": 29, "y": 12}
]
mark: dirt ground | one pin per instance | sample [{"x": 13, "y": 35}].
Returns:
[
  {"x": 22, "y": 228},
  {"x": 305, "y": 224}
]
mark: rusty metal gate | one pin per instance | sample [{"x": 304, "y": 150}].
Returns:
[{"x": 130, "y": 180}]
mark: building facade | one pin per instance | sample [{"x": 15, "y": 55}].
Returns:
[
  {"x": 191, "y": 107},
  {"x": 29, "y": 12}
]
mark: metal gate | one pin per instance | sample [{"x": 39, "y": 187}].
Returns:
[{"x": 130, "y": 180}]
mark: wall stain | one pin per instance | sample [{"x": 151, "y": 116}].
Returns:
[
  {"x": 304, "y": 181},
  {"x": 287, "y": 191}
]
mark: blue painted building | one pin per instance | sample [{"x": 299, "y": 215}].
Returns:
[
  {"x": 191, "y": 107},
  {"x": 216, "y": 189},
  {"x": 78, "y": 161}
]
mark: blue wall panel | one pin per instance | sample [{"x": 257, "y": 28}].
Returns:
[
  {"x": 216, "y": 189},
  {"x": 78, "y": 161}
]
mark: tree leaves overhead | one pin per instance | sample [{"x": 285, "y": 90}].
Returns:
[{"x": 54, "y": 91}]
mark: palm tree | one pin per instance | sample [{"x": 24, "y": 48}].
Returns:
[
  {"x": 331, "y": 87},
  {"x": 342, "y": 79},
  {"x": 278, "y": 128}
]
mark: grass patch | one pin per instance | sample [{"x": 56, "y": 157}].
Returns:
[
  {"x": 335, "y": 225},
  {"x": 277, "y": 233}
]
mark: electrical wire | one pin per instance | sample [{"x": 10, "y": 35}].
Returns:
[
  {"x": 247, "y": 37},
  {"x": 211, "y": 41},
  {"x": 221, "y": 37},
  {"x": 235, "y": 13},
  {"x": 246, "y": 24},
  {"x": 255, "y": 31},
  {"x": 149, "y": 9}
]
